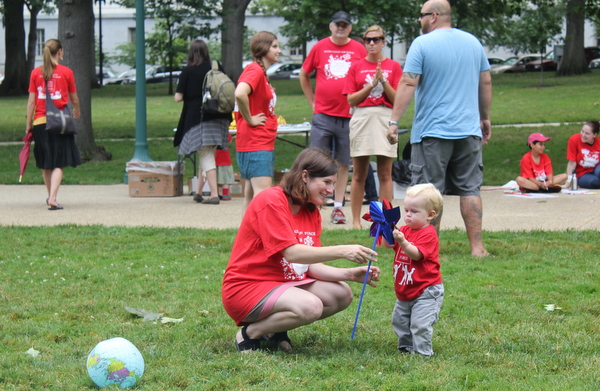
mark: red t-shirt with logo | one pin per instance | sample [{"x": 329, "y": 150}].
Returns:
[
  {"x": 540, "y": 172},
  {"x": 332, "y": 63},
  {"x": 585, "y": 155},
  {"x": 256, "y": 264},
  {"x": 262, "y": 99},
  {"x": 411, "y": 277},
  {"x": 59, "y": 86},
  {"x": 362, "y": 72}
]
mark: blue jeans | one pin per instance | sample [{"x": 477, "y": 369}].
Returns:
[{"x": 591, "y": 180}]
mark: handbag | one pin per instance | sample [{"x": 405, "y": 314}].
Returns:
[{"x": 58, "y": 121}]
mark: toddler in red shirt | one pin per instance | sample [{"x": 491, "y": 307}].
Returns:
[{"x": 417, "y": 277}]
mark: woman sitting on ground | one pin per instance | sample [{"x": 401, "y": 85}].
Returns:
[{"x": 583, "y": 154}]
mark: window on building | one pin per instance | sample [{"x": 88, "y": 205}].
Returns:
[
  {"x": 296, "y": 51},
  {"x": 41, "y": 41},
  {"x": 131, "y": 34}
]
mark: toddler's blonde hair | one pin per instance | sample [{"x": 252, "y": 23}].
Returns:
[{"x": 430, "y": 193}]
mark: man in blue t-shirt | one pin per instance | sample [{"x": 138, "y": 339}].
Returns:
[{"x": 447, "y": 71}]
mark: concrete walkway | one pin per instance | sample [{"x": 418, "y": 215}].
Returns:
[{"x": 110, "y": 205}]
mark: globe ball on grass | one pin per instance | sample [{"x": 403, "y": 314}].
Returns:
[{"x": 115, "y": 361}]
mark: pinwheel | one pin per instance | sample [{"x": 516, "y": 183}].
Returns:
[{"x": 384, "y": 219}]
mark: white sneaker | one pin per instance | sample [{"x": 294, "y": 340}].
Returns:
[{"x": 338, "y": 217}]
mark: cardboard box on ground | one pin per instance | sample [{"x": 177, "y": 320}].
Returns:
[{"x": 155, "y": 179}]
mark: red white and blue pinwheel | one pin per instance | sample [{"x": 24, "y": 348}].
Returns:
[{"x": 384, "y": 218}]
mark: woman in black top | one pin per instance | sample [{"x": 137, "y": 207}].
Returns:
[{"x": 197, "y": 131}]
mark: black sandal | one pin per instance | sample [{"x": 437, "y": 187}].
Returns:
[
  {"x": 278, "y": 338},
  {"x": 247, "y": 343}
]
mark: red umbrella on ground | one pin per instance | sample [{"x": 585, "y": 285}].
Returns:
[{"x": 24, "y": 154}]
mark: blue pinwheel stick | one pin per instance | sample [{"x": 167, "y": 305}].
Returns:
[{"x": 384, "y": 219}]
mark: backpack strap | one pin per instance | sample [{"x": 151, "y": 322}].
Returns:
[{"x": 215, "y": 66}]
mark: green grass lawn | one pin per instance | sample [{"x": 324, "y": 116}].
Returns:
[
  {"x": 64, "y": 289},
  {"x": 517, "y": 99}
]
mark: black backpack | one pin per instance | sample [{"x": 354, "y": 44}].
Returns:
[{"x": 219, "y": 92}]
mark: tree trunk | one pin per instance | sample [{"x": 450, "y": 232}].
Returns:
[
  {"x": 34, "y": 10},
  {"x": 232, "y": 35},
  {"x": 573, "y": 60},
  {"x": 76, "y": 32},
  {"x": 16, "y": 74}
]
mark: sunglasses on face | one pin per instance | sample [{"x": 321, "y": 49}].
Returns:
[
  {"x": 424, "y": 14},
  {"x": 375, "y": 40}
]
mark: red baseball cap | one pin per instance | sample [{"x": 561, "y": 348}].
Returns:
[{"x": 536, "y": 137}]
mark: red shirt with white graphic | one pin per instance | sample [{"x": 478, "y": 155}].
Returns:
[
  {"x": 585, "y": 155},
  {"x": 411, "y": 277},
  {"x": 59, "y": 87},
  {"x": 540, "y": 171},
  {"x": 332, "y": 63},
  {"x": 262, "y": 99},
  {"x": 361, "y": 73},
  {"x": 256, "y": 264}
]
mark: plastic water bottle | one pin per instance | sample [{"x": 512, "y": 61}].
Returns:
[{"x": 574, "y": 181}]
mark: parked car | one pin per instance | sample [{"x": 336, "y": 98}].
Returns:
[
  {"x": 514, "y": 64},
  {"x": 495, "y": 60},
  {"x": 595, "y": 64},
  {"x": 163, "y": 77},
  {"x": 547, "y": 64},
  {"x": 120, "y": 77},
  {"x": 280, "y": 71},
  {"x": 155, "y": 74},
  {"x": 296, "y": 74},
  {"x": 106, "y": 74},
  {"x": 591, "y": 53}
]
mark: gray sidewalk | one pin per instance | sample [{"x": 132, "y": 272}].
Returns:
[{"x": 111, "y": 205}]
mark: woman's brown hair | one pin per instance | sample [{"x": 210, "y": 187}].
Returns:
[
  {"x": 317, "y": 164},
  {"x": 260, "y": 44},
  {"x": 198, "y": 53},
  {"x": 51, "y": 48},
  {"x": 595, "y": 125}
]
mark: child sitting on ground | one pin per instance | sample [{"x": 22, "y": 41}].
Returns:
[
  {"x": 417, "y": 277},
  {"x": 536, "y": 168}
]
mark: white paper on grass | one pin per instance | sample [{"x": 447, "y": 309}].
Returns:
[
  {"x": 531, "y": 195},
  {"x": 166, "y": 319},
  {"x": 551, "y": 307},
  {"x": 142, "y": 313}
]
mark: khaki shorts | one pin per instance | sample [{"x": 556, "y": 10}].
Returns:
[{"x": 368, "y": 132}]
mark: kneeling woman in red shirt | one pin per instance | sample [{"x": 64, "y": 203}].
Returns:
[{"x": 276, "y": 280}]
